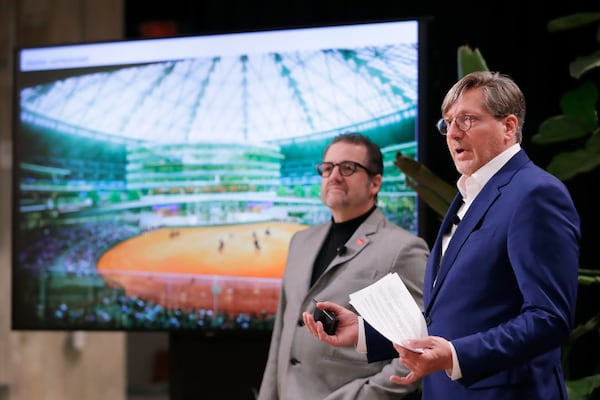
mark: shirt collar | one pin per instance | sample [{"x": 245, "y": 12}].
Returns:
[{"x": 470, "y": 186}]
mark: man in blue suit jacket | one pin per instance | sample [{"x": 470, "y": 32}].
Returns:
[{"x": 501, "y": 281}]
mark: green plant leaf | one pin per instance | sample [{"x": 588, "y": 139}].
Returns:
[
  {"x": 559, "y": 128},
  {"x": 583, "y": 64},
  {"x": 582, "y": 388},
  {"x": 433, "y": 190},
  {"x": 589, "y": 272},
  {"x": 430, "y": 197},
  {"x": 568, "y": 164},
  {"x": 593, "y": 142},
  {"x": 469, "y": 60},
  {"x": 589, "y": 326},
  {"x": 572, "y": 21},
  {"x": 588, "y": 280},
  {"x": 420, "y": 173},
  {"x": 580, "y": 104}
]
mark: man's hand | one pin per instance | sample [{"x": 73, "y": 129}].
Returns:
[
  {"x": 346, "y": 333},
  {"x": 436, "y": 356}
]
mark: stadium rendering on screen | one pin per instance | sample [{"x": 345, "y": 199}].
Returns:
[{"x": 157, "y": 182}]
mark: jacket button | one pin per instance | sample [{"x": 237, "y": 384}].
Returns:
[
  {"x": 427, "y": 321},
  {"x": 300, "y": 322},
  {"x": 294, "y": 361}
]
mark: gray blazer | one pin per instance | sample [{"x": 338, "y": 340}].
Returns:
[{"x": 299, "y": 366}]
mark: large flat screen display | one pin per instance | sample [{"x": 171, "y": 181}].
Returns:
[{"x": 157, "y": 182}]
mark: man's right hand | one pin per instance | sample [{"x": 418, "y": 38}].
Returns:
[{"x": 346, "y": 333}]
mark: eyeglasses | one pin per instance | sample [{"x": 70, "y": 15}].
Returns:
[
  {"x": 463, "y": 122},
  {"x": 346, "y": 168}
]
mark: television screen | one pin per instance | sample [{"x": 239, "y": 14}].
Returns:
[{"x": 157, "y": 182}]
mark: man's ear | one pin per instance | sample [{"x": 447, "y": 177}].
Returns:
[
  {"x": 376, "y": 182},
  {"x": 511, "y": 124}
]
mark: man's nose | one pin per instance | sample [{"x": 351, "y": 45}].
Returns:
[
  {"x": 454, "y": 131},
  {"x": 335, "y": 172}
]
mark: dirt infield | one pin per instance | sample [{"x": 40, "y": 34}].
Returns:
[{"x": 232, "y": 268}]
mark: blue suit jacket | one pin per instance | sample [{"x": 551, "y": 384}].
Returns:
[{"x": 506, "y": 289}]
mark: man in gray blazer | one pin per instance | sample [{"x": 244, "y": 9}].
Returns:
[{"x": 330, "y": 261}]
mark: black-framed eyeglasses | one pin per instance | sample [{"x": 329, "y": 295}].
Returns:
[
  {"x": 346, "y": 168},
  {"x": 463, "y": 122}
]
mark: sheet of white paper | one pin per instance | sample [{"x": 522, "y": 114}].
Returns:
[{"x": 389, "y": 308}]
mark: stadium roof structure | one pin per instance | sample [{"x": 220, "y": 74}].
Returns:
[{"x": 233, "y": 98}]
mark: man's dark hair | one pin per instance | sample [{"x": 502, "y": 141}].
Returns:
[{"x": 374, "y": 156}]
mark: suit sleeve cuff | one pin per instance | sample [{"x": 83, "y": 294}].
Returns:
[{"x": 455, "y": 373}]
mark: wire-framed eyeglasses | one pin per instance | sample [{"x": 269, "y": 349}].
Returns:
[
  {"x": 345, "y": 168},
  {"x": 463, "y": 122}
]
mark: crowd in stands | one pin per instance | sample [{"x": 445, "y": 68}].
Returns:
[
  {"x": 72, "y": 251},
  {"x": 133, "y": 313}
]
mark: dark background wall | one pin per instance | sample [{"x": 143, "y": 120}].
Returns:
[{"x": 513, "y": 39}]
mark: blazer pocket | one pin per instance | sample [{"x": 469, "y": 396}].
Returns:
[{"x": 510, "y": 377}]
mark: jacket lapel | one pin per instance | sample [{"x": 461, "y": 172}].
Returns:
[
  {"x": 488, "y": 195},
  {"x": 303, "y": 268},
  {"x": 435, "y": 256},
  {"x": 358, "y": 241}
]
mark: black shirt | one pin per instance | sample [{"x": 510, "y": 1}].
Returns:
[{"x": 335, "y": 242}]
